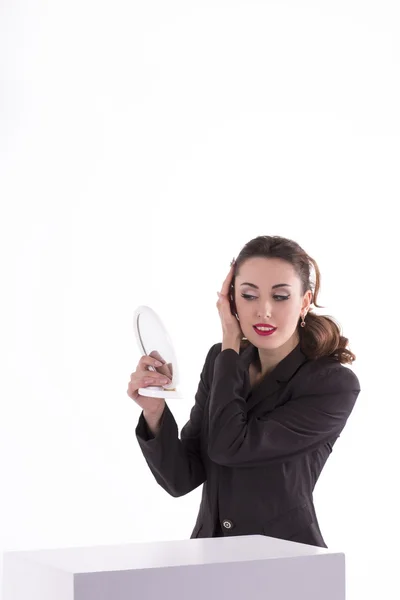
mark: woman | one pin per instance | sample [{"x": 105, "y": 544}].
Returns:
[{"x": 272, "y": 400}]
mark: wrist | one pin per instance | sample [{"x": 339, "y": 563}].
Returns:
[
  {"x": 154, "y": 413},
  {"x": 231, "y": 342},
  {"x": 153, "y": 420}
]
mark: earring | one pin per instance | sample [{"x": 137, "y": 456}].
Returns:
[
  {"x": 243, "y": 338},
  {"x": 303, "y": 323}
]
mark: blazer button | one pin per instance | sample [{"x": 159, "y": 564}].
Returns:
[{"x": 227, "y": 524}]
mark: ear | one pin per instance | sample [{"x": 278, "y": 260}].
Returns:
[{"x": 306, "y": 301}]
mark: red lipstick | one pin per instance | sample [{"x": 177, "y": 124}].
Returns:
[{"x": 267, "y": 329}]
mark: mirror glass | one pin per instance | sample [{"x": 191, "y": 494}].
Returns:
[{"x": 154, "y": 340}]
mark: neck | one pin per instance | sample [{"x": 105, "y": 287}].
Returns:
[{"x": 269, "y": 359}]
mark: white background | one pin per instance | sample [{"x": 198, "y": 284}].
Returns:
[{"x": 142, "y": 144}]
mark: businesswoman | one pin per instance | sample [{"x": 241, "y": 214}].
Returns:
[{"x": 272, "y": 400}]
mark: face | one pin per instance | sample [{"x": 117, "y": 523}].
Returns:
[{"x": 268, "y": 290}]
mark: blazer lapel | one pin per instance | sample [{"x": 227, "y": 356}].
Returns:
[{"x": 267, "y": 389}]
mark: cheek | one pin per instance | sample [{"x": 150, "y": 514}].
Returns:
[
  {"x": 290, "y": 307},
  {"x": 245, "y": 306},
  {"x": 242, "y": 308},
  {"x": 287, "y": 311},
  {"x": 245, "y": 310}
]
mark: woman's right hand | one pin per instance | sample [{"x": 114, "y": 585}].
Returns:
[{"x": 142, "y": 378}]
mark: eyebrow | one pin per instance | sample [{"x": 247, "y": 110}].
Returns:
[{"x": 278, "y": 285}]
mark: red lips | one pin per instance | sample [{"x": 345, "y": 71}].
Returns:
[{"x": 270, "y": 331}]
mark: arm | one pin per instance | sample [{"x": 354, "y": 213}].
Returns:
[
  {"x": 317, "y": 412},
  {"x": 175, "y": 462}
]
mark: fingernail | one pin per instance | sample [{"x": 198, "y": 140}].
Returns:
[{"x": 158, "y": 363}]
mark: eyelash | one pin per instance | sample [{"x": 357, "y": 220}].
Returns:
[{"x": 276, "y": 297}]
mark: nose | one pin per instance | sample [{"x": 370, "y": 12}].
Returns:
[{"x": 266, "y": 310}]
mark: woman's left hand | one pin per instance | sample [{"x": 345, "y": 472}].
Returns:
[{"x": 230, "y": 325}]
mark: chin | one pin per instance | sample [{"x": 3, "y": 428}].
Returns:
[
  {"x": 265, "y": 341},
  {"x": 270, "y": 342}
]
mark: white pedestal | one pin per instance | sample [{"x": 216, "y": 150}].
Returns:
[{"x": 254, "y": 567}]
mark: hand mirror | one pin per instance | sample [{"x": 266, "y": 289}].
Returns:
[{"x": 153, "y": 340}]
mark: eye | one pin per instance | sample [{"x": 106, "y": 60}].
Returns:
[{"x": 276, "y": 297}]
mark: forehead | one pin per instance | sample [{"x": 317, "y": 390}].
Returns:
[{"x": 267, "y": 271}]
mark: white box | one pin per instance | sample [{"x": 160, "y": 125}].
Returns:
[{"x": 252, "y": 567}]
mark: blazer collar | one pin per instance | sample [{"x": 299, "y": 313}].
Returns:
[{"x": 273, "y": 381}]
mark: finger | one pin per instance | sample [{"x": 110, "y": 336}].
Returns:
[
  {"x": 221, "y": 303},
  {"x": 148, "y": 378},
  {"x": 157, "y": 355},
  {"x": 227, "y": 282},
  {"x": 165, "y": 370},
  {"x": 157, "y": 380},
  {"x": 132, "y": 394},
  {"x": 223, "y": 300},
  {"x": 147, "y": 361}
]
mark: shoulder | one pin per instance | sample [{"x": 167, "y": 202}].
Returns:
[
  {"x": 327, "y": 375},
  {"x": 214, "y": 351},
  {"x": 212, "y": 354}
]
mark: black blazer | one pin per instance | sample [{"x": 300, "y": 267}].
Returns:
[{"x": 258, "y": 452}]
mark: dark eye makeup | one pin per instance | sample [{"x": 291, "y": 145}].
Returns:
[{"x": 276, "y": 297}]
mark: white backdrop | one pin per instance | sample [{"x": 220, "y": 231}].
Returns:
[{"x": 142, "y": 144}]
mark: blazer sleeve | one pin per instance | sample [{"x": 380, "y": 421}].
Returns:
[
  {"x": 175, "y": 462},
  {"x": 316, "y": 412}
]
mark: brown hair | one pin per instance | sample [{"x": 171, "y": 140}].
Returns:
[{"x": 321, "y": 336}]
